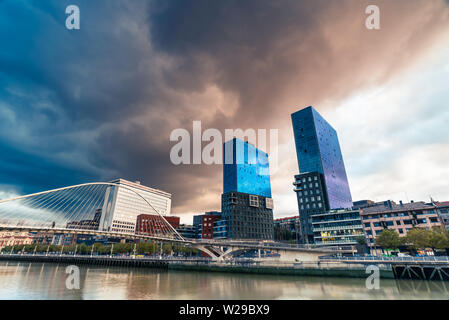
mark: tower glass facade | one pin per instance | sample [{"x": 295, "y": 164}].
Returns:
[
  {"x": 318, "y": 150},
  {"x": 246, "y": 204},
  {"x": 245, "y": 169}
]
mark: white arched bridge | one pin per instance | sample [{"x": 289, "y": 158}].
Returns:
[{"x": 85, "y": 209}]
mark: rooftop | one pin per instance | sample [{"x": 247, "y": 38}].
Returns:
[
  {"x": 442, "y": 204},
  {"x": 286, "y": 218},
  {"x": 137, "y": 185},
  {"x": 390, "y": 206}
]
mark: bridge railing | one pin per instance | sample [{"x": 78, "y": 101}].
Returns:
[
  {"x": 389, "y": 259},
  {"x": 254, "y": 263},
  {"x": 270, "y": 245}
]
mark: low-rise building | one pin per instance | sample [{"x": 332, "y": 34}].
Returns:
[
  {"x": 443, "y": 211},
  {"x": 186, "y": 231},
  {"x": 287, "y": 228},
  {"x": 204, "y": 224},
  {"x": 14, "y": 238},
  {"x": 220, "y": 229},
  {"x": 337, "y": 227},
  {"x": 154, "y": 225},
  {"x": 400, "y": 217}
]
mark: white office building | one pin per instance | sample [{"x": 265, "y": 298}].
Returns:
[{"x": 122, "y": 205}]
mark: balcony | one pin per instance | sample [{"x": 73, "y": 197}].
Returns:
[
  {"x": 358, "y": 226},
  {"x": 335, "y": 242},
  {"x": 336, "y": 220}
]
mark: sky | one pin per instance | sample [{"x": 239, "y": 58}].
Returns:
[{"x": 100, "y": 103}]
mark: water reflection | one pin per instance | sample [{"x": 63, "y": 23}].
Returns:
[{"x": 21, "y": 280}]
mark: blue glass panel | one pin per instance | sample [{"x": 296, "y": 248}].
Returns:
[
  {"x": 318, "y": 149},
  {"x": 246, "y": 170}
]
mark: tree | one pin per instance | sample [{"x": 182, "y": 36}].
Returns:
[
  {"x": 360, "y": 240},
  {"x": 388, "y": 239},
  {"x": 166, "y": 248},
  {"x": 438, "y": 238},
  {"x": 123, "y": 248},
  {"x": 101, "y": 249},
  {"x": 69, "y": 248},
  {"x": 143, "y": 248},
  {"x": 154, "y": 247},
  {"x": 418, "y": 238},
  {"x": 41, "y": 248},
  {"x": 55, "y": 248},
  {"x": 83, "y": 249}
]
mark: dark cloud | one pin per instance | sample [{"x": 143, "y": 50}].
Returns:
[{"x": 100, "y": 103}]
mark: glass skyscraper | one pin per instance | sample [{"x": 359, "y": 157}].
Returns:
[
  {"x": 318, "y": 150},
  {"x": 245, "y": 169}
]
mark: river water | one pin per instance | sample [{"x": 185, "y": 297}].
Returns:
[{"x": 25, "y": 280}]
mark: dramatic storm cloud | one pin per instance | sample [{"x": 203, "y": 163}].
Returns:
[{"x": 100, "y": 102}]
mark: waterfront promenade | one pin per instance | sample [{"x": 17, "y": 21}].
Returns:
[
  {"x": 243, "y": 265},
  {"x": 416, "y": 268}
]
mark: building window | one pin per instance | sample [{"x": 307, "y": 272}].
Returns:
[
  {"x": 269, "y": 203},
  {"x": 254, "y": 201}
]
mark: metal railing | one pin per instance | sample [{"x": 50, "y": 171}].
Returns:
[
  {"x": 255, "y": 263},
  {"x": 270, "y": 245},
  {"x": 417, "y": 259}
]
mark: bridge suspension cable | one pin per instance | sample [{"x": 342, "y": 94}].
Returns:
[{"x": 80, "y": 207}]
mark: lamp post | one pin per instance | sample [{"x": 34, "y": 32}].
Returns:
[{"x": 160, "y": 251}]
